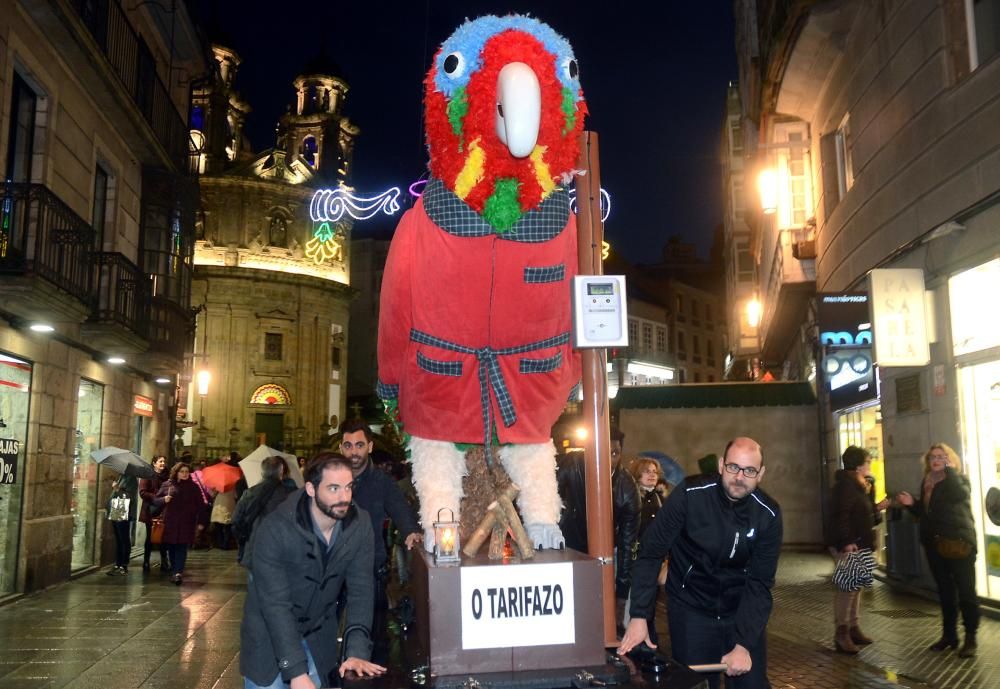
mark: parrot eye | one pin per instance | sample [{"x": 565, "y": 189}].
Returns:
[
  {"x": 572, "y": 69},
  {"x": 454, "y": 65}
]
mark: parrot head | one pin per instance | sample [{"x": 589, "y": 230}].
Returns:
[{"x": 503, "y": 115}]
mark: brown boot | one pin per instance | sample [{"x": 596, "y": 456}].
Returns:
[
  {"x": 843, "y": 642},
  {"x": 859, "y": 637}
]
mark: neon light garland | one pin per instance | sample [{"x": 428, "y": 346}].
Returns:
[
  {"x": 605, "y": 203},
  {"x": 324, "y": 245},
  {"x": 330, "y": 205}
]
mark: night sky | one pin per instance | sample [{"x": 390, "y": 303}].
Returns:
[{"x": 654, "y": 80}]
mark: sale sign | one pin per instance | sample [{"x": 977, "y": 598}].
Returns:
[{"x": 9, "y": 449}]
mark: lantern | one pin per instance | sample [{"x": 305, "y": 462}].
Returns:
[{"x": 446, "y": 539}]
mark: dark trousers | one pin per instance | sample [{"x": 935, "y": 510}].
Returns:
[
  {"x": 956, "y": 585},
  {"x": 178, "y": 553},
  {"x": 697, "y": 639},
  {"x": 147, "y": 547},
  {"x": 123, "y": 542}
]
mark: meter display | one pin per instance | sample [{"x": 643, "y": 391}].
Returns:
[{"x": 599, "y": 311}]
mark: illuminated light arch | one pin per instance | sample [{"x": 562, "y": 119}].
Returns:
[
  {"x": 330, "y": 205},
  {"x": 270, "y": 395}
]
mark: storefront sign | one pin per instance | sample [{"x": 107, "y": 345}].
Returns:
[
  {"x": 846, "y": 336},
  {"x": 143, "y": 406},
  {"x": 939, "y": 380},
  {"x": 972, "y": 330},
  {"x": 897, "y": 307},
  {"x": 9, "y": 449},
  {"x": 517, "y": 605}
]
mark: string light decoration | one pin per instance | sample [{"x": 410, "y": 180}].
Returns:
[
  {"x": 325, "y": 245},
  {"x": 605, "y": 203},
  {"x": 330, "y": 205}
]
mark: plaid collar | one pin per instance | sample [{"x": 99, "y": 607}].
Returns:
[{"x": 455, "y": 217}]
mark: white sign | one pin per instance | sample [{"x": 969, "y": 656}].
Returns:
[
  {"x": 969, "y": 294},
  {"x": 897, "y": 305},
  {"x": 508, "y": 606}
]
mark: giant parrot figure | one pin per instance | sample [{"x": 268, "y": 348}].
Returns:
[{"x": 474, "y": 328}]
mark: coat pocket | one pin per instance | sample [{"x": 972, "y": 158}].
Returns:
[
  {"x": 441, "y": 368},
  {"x": 534, "y": 275},
  {"x": 546, "y": 365}
]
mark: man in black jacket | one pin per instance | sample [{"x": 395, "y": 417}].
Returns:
[
  {"x": 304, "y": 553},
  {"x": 626, "y": 507},
  {"x": 260, "y": 500},
  {"x": 377, "y": 494},
  {"x": 723, "y": 536}
]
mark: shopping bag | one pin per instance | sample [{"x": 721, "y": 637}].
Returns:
[
  {"x": 856, "y": 569},
  {"x": 156, "y": 531},
  {"x": 118, "y": 509}
]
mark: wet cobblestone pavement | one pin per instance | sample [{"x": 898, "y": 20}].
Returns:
[{"x": 142, "y": 632}]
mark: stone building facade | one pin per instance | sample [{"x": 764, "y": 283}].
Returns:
[
  {"x": 272, "y": 286},
  {"x": 879, "y": 120},
  {"x": 96, "y": 232}
]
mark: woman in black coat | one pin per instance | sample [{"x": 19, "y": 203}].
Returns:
[
  {"x": 852, "y": 528},
  {"x": 647, "y": 475},
  {"x": 948, "y": 534},
  {"x": 152, "y": 506}
]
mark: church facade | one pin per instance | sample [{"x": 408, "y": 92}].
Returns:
[{"x": 272, "y": 286}]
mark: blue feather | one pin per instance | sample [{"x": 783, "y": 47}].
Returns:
[{"x": 468, "y": 41}]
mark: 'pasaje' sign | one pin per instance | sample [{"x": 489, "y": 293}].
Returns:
[{"x": 517, "y": 605}]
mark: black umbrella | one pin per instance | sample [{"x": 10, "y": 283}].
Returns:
[{"x": 123, "y": 461}]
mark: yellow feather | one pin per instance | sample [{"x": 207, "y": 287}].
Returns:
[
  {"x": 472, "y": 171},
  {"x": 542, "y": 173}
]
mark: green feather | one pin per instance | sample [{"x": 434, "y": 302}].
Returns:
[
  {"x": 458, "y": 108},
  {"x": 502, "y": 209},
  {"x": 569, "y": 110}
]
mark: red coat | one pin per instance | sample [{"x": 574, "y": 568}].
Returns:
[
  {"x": 180, "y": 516},
  {"x": 442, "y": 293}
]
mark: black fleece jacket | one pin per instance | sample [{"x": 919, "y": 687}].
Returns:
[{"x": 723, "y": 556}]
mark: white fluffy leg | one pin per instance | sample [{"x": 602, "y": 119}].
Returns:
[
  {"x": 438, "y": 468},
  {"x": 533, "y": 469}
]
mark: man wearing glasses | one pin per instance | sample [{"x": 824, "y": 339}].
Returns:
[{"x": 723, "y": 536}]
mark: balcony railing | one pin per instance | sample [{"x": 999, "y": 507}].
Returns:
[
  {"x": 122, "y": 293},
  {"x": 133, "y": 63},
  {"x": 41, "y": 235}
]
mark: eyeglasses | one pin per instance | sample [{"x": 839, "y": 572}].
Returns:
[{"x": 749, "y": 472}]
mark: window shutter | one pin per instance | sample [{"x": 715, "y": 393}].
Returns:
[{"x": 828, "y": 170}]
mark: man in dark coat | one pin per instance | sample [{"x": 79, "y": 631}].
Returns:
[
  {"x": 303, "y": 554},
  {"x": 376, "y": 493},
  {"x": 260, "y": 500},
  {"x": 723, "y": 536}
]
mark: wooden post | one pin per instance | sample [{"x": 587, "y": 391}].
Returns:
[{"x": 597, "y": 468}]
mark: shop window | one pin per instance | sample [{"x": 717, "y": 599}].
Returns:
[
  {"x": 273, "y": 346},
  {"x": 83, "y": 503},
  {"x": 15, "y": 393}
]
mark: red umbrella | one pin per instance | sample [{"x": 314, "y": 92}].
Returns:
[{"x": 222, "y": 477}]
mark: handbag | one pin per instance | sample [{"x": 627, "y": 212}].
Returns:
[
  {"x": 118, "y": 509},
  {"x": 854, "y": 570},
  {"x": 156, "y": 531},
  {"x": 952, "y": 548}
]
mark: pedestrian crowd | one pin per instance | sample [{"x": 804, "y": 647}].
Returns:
[{"x": 319, "y": 556}]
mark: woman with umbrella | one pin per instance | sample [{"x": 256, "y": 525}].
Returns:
[
  {"x": 180, "y": 516},
  {"x": 121, "y": 512}
]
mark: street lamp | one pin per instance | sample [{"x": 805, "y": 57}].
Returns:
[
  {"x": 753, "y": 312},
  {"x": 204, "y": 378},
  {"x": 767, "y": 185}
]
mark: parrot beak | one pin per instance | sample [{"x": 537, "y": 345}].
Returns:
[{"x": 519, "y": 108}]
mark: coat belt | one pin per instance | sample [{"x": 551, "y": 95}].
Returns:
[{"x": 490, "y": 375}]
